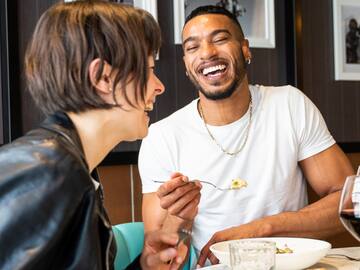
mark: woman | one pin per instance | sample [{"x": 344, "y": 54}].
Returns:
[{"x": 90, "y": 68}]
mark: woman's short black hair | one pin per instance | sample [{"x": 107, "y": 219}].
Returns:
[{"x": 69, "y": 36}]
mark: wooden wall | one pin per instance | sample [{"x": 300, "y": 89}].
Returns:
[
  {"x": 337, "y": 100},
  {"x": 28, "y": 13},
  {"x": 1, "y": 100},
  {"x": 122, "y": 192},
  {"x": 4, "y": 73}
]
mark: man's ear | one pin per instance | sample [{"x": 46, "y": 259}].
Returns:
[
  {"x": 104, "y": 84},
  {"x": 245, "y": 49},
  {"x": 186, "y": 69}
]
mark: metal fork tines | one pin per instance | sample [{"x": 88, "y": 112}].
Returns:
[
  {"x": 203, "y": 182},
  {"x": 342, "y": 256},
  {"x": 183, "y": 235},
  {"x": 215, "y": 186}
]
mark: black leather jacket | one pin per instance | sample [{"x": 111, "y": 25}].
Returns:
[{"x": 51, "y": 216}]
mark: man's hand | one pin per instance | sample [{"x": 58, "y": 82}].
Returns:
[
  {"x": 180, "y": 197},
  {"x": 249, "y": 230},
  {"x": 159, "y": 250}
]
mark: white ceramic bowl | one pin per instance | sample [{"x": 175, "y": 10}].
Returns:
[{"x": 306, "y": 252}]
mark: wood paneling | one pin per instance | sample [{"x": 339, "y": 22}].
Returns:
[
  {"x": 137, "y": 193},
  {"x": 275, "y": 66},
  {"x": 29, "y": 12},
  {"x": 116, "y": 182},
  {"x": 9, "y": 72},
  {"x": 337, "y": 100},
  {"x": 1, "y": 75},
  {"x": 122, "y": 192}
]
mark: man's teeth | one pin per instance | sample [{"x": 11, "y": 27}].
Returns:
[{"x": 207, "y": 70}]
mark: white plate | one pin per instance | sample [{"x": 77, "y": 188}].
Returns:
[
  {"x": 216, "y": 267},
  {"x": 306, "y": 252}
]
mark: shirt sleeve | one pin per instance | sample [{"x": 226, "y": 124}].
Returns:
[
  {"x": 155, "y": 160},
  {"x": 311, "y": 130}
]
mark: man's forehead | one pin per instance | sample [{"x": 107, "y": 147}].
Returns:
[
  {"x": 215, "y": 19},
  {"x": 207, "y": 22}
]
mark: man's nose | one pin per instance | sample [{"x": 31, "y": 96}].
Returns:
[{"x": 207, "y": 51}]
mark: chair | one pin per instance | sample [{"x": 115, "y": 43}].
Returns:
[{"x": 129, "y": 239}]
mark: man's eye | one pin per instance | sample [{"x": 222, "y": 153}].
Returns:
[
  {"x": 220, "y": 40},
  {"x": 191, "y": 48}
]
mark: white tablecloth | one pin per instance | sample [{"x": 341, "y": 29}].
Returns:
[{"x": 339, "y": 263}]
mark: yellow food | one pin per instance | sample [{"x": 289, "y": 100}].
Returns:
[
  {"x": 285, "y": 250},
  {"x": 238, "y": 183}
]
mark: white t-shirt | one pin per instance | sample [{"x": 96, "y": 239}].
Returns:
[{"x": 286, "y": 128}]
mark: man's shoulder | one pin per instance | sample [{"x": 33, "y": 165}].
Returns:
[
  {"x": 278, "y": 90},
  {"x": 283, "y": 94}
]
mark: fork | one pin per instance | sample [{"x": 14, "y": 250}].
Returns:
[
  {"x": 183, "y": 235},
  {"x": 204, "y": 182},
  {"x": 342, "y": 255}
]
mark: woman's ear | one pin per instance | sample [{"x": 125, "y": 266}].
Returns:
[{"x": 103, "y": 85}]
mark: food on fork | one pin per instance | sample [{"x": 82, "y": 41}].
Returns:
[{"x": 238, "y": 183}]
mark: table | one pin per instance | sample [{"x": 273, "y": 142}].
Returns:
[
  {"x": 339, "y": 263},
  {"x": 325, "y": 263}
]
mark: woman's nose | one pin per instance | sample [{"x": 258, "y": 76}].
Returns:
[{"x": 159, "y": 87}]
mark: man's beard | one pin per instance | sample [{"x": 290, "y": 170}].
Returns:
[{"x": 223, "y": 94}]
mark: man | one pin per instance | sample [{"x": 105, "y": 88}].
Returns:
[{"x": 272, "y": 138}]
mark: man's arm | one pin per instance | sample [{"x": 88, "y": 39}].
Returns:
[{"x": 326, "y": 173}]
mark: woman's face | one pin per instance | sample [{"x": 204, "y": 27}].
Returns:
[{"x": 136, "y": 120}]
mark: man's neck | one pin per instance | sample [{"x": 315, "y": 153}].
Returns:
[{"x": 226, "y": 111}]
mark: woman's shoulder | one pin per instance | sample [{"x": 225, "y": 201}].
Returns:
[{"x": 41, "y": 157}]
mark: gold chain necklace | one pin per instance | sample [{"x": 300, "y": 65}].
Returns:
[{"x": 217, "y": 143}]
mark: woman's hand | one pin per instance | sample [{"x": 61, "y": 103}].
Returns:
[{"x": 160, "y": 251}]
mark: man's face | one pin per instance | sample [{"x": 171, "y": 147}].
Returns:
[{"x": 213, "y": 55}]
